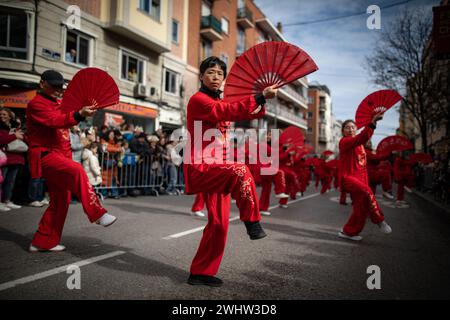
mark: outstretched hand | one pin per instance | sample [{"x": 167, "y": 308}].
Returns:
[
  {"x": 270, "y": 92},
  {"x": 88, "y": 111},
  {"x": 377, "y": 117}
]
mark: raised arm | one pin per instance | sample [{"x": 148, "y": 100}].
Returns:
[
  {"x": 347, "y": 143},
  {"x": 47, "y": 116}
]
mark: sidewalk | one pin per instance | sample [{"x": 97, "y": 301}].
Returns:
[{"x": 429, "y": 198}]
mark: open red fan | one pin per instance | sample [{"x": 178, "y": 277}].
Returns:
[
  {"x": 393, "y": 143},
  {"x": 90, "y": 85},
  {"x": 292, "y": 135},
  {"x": 327, "y": 153},
  {"x": 422, "y": 157},
  {"x": 376, "y": 102},
  {"x": 266, "y": 64}
]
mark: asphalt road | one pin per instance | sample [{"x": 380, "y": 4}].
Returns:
[{"x": 144, "y": 256}]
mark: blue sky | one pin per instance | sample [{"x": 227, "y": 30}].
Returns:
[{"x": 339, "y": 47}]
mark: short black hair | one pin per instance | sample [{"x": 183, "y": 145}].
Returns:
[{"x": 211, "y": 62}]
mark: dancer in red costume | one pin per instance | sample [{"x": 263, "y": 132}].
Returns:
[
  {"x": 404, "y": 177},
  {"x": 205, "y": 174},
  {"x": 266, "y": 180},
  {"x": 353, "y": 179},
  {"x": 48, "y": 137},
  {"x": 376, "y": 175},
  {"x": 326, "y": 176},
  {"x": 287, "y": 153}
]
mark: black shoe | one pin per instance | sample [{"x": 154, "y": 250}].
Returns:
[
  {"x": 199, "y": 279},
  {"x": 254, "y": 230}
]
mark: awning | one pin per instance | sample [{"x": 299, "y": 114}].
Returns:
[
  {"x": 134, "y": 109},
  {"x": 16, "y": 98}
]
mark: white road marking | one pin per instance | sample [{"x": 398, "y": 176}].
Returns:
[
  {"x": 45, "y": 274},
  {"x": 184, "y": 233}
]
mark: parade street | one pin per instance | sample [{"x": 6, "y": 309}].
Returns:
[{"x": 146, "y": 254}]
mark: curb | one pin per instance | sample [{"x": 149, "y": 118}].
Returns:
[{"x": 425, "y": 197}]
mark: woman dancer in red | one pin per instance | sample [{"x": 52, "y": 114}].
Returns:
[
  {"x": 353, "y": 179},
  {"x": 404, "y": 177},
  {"x": 208, "y": 173},
  {"x": 376, "y": 175}
]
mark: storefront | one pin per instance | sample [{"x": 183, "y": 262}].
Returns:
[
  {"x": 16, "y": 99},
  {"x": 131, "y": 111}
]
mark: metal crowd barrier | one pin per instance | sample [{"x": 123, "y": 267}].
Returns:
[{"x": 149, "y": 174}]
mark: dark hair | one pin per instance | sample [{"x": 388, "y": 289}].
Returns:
[
  {"x": 211, "y": 62},
  {"x": 345, "y": 123},
  {"x": 92, "y": 145}
]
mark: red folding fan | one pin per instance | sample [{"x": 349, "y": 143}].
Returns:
[
  {"x": 266, "y": 64},
  {"x": 327, "y": 153},
  {"x": 89, "y": 86},
  {"x": 292, "y": 135},
  {"x": 393, "y": 143},
  {"x": 422, "y": 157},
  {"x": 332, "y": 164},
  {"x": 376, "y": 102}
]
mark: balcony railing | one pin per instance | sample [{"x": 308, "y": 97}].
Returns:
[
  {"x": 283, "y": 114},
  {"x": 245, "y": 18},
  {"x": 211, "y": 28},
  {"x": 292, "y": 92}
]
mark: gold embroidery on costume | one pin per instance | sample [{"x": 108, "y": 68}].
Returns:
[{"x": 245, "y": 188}]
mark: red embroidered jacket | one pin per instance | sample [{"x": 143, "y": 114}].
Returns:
[
  {"x": 212, "y": 113},
  {"x": 352, "y": 156},
  {"x": 47, "y": 130}
]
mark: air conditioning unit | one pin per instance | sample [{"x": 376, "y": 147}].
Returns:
[
  {"x": 140, "y": 91},
  {"x": 154, "y": 94}
]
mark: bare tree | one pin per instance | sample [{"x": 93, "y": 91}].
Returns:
[{"x": 398, "y": 63}]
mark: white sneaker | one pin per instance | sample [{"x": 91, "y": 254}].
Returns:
[
  {"x": 401, "y": 204},
  {"x": 36, "y": 204},
  {"x": 4, "y": 208},
  {"x": 284, "y": 206},
  {"x": 57, "y": 248},
  {"x": 387, "y": 195},
  {"x": 281, "y": 195},
  {"x": 12, "y": 205},
  {"x": 354, "y": 238},
  {"x": 45, "y": 202},
  {"x": 299, "y": 194},
  {"x": 408, "y": 190},
  {"x": 197, "y": 213},
  {"x": 233, "y": 201},
  {"x": 265, "y": 213},
  {"x": 106, "y": 220},
  {"x": 384, "y": 227}
]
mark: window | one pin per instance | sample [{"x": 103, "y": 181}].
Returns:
[
  {"x": 14, "y": 35},
  {"x": 225, "y": 25},
  {"x": 175, "y": 30},
  {"x": 77, "y": 48},
  {"x": 310, "y": 130},
  {"x": 310, "y": 115},
  {"x": 171, "y": 81},
  {"x": 132, "y": 68},
  {"x": 206, "y": 49},
  {"x": 206, "y": 9},
  {"x": 224, "y": 58},
  {"x": 241, "y": 41},
  {"x": 151, "y": 7},
  {"x": 310, "y": 100}
]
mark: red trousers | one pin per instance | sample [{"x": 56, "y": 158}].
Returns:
[
  {"x": 199, "y": 203},
  {"x": 292, "y": 181},
  {"x": 266, "y": 187},
  {"x": 364, "y": 204},
  {"x": 380, "y": 177},
  {"x": 217, "y": 183},
  {"x": 63, "y": 177},
  {"x": 326, "y": 183},
  {"x": 343, "y": 199},
  {"x": 404, "y": 180}
]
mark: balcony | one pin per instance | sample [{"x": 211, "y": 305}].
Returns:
[
  {"x": 322, "y": 107},
  {"x": 273, "y": 109},
  {"x": 322, "y": 138},
  {"x": 211, "y": 28},
  {"x": 245, "y": 18},
  {"x": 288, "y": 93},
  {"x": 134, "y": 24}
]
